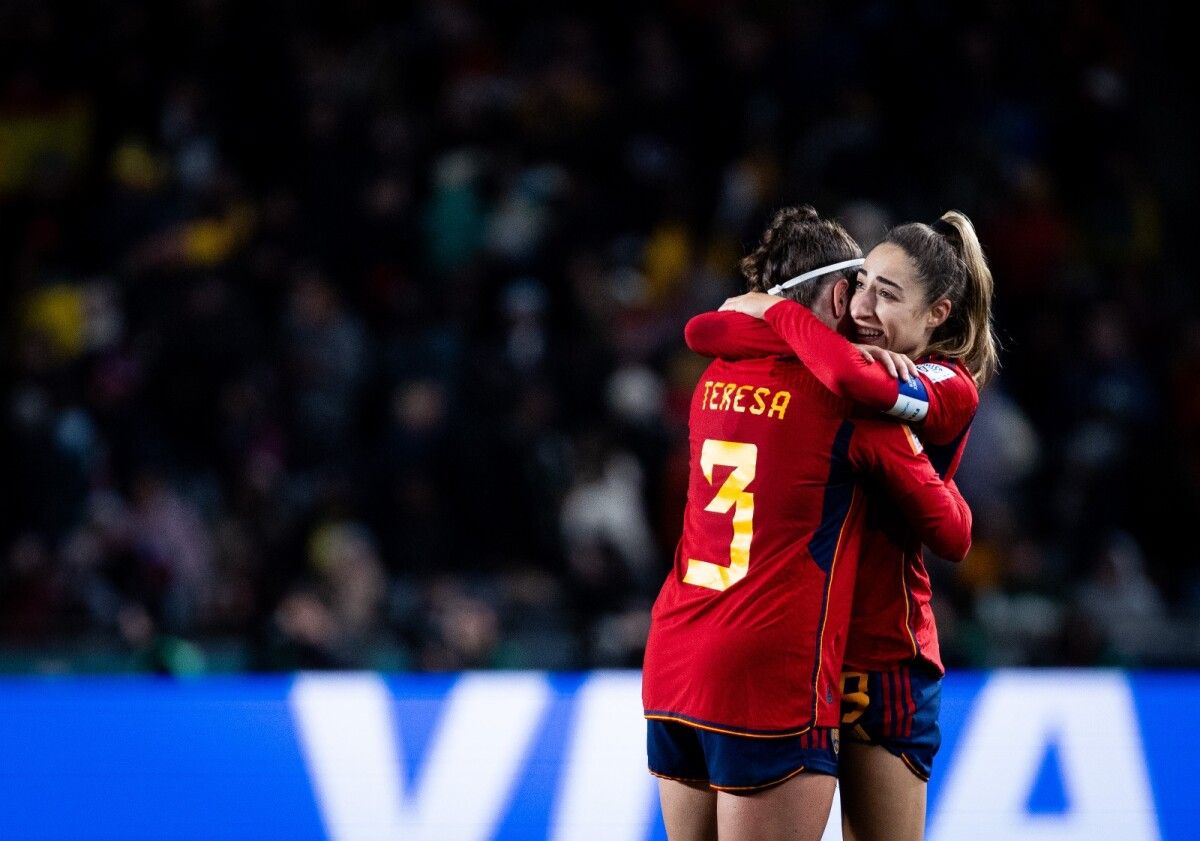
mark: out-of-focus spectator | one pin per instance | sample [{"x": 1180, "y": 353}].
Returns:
[{"x": 1122, "y": 604}]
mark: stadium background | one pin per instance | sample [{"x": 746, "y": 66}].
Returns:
[{"x": 349, "y": 336}]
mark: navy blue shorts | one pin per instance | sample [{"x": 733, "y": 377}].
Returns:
[
  {"x": 738, "y": 764},
  {"x": 897, "y": 709}
]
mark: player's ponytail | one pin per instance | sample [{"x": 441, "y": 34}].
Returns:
[
  {"x": 798, "y": 240},
  {"x": 978, "y": 345},
  {"x": 950, "y": 264}
]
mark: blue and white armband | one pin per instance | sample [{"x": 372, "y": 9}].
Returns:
[{"x": 912, "y": 403}]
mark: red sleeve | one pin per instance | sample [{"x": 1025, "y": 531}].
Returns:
[
  {"x": 936, "y": 511},
  {"x": 832, "y": 359},
  {"x": 953, "y": 399},
  {"x": 733, "y": 335}
]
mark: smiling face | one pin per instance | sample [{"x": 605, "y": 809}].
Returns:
[{"x": 889, "y": 308}]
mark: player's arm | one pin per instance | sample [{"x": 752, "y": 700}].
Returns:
[
  {"x": 942, "y": 398},
  {"x": 842, "y": 368},
  {"x": 735, "y": 335},
  {"x": 731, "y": 335},
  {"x": 838, "y": 364},
  {"x": 937, "y": 512}
]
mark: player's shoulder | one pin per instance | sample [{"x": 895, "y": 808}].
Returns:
[
  {"x": 774, "y": 367},
  {"x": 937, "y": 368},
  {"x": 948, "y": 375}
]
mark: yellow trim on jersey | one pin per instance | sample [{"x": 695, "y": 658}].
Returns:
[
  {"x": 837, "y": 551},
  {"x": 904, "y": 587},
  {"x": 913, "y": 440},
  {"x": 712, "y": 729}
]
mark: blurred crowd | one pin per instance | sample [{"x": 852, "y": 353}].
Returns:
[{"x": 350, "y": 336}]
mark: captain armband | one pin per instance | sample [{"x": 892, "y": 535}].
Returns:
[{"x": 912, "y": 403}]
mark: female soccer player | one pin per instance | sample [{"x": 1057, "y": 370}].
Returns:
[
  {"x": 742, "y": 669},
  {"x": 924, "y": 292}
]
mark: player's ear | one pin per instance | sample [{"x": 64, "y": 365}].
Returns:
[
  {"x": 938, "y": 313},
  {"x": 841, "y": 298}
]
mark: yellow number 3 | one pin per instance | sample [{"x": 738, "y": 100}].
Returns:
[{"x": 732, "y": 494}]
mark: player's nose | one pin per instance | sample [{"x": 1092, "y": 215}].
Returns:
[{"x": 862, "y": 305}]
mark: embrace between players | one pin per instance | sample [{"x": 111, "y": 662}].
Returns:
[{"x": 793, "y": 645}]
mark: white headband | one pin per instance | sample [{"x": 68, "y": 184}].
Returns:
[{"x": 788, "y": 284}]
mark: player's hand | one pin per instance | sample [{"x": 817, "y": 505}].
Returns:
[
  {"x": 752, "y": 303},
  {"x": 897, "y": 364}
]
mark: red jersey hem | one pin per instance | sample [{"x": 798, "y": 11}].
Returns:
[{"x": 730, "y": 730}]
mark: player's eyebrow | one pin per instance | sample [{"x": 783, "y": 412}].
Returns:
[{"x": 881, "y": 279}]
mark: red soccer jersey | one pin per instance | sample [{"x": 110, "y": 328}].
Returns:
[
  {"x": 748, "y": 632},
  {"x": 892, "y": 620}
]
